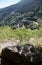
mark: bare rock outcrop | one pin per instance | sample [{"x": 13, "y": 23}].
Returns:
[{"x": 21, "y": 55}]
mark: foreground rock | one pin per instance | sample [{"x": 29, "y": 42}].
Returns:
[
  {"x": 21, "y": 55},
  {"x": 7, "y": 43}
]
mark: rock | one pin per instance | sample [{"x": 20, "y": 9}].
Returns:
[
  {"x": 7, "y": 43},
  {"x": 21, "y": 55},
  {"x": 32, "y": 41}
]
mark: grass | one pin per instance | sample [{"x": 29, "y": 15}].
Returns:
[{"x": 20, "y": 34}]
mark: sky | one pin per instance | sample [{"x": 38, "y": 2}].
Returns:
[{"x": 5, "y": 3}]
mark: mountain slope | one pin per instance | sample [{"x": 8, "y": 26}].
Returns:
[{"x": 24, "y": 6}]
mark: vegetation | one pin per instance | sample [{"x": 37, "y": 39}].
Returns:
[
  {"x": 28, "y": 11},
  {"x": 31, "y": 17},
  {"x": 21, "y": 34}
]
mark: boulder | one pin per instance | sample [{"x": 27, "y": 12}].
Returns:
[{"x": 21, "y": 55}]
